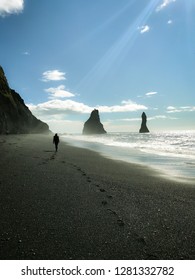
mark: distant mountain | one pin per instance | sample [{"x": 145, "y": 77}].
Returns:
[
  {"x": 15, "y": 116},
  {"x": 93, "y": 124}
]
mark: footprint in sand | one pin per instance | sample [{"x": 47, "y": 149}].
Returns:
[
  {"x": 141, "y": 240},
  {"x": 44, "y": 162},
  {"x": 112, "y": 211},
  {"x": 52, "y": 157},
  {"x": 82, "y": 172},
  {"x": 104, "y": 202},
  {"x": 120, "y": 223}
]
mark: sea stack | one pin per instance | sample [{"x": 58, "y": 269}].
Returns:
[
  {"x": 15, "y": 116},
  {"x": 93, "y": 124},
  {"x": 144, "y": 128}
]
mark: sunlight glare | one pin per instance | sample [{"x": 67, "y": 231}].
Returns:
[{"x": 120, "y": 48}]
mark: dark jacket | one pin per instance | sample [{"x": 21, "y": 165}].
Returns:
[{"x": 56, "y": 139}]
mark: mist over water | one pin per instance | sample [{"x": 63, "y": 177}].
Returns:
[{"x": 172, "y": 153}]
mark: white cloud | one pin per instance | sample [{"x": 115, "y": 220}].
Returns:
[
  {"x": 126, "y": 106},
  {"x": 26, "y": 52},
  {"x": 169, "y": 21},
  {"x": 57, "y": 113},
  {"x": 144, "y": 29},
  {"x": 148, "y": 118},
  {"x": 11, "y": 7},
  {"x": 58, "y": 92},
  {"x": 130, "y": 120},
  {"x": 53, "y": 75},
  {"x": 151, "y": 93},
  {"x": 56, "y": 107},
  {"x": 172, "y": 109},
  {"x": 164, "y": 4},
  {"x": 158, "y": 117}
]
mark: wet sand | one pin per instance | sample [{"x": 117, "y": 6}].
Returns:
[{"x": 76, "y": 204}]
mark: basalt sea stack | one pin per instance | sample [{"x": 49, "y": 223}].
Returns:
[
  {"x": 93, "y": 124},
  {"x": 15, "y": 117},
  {"x": 144, "y": 128}
]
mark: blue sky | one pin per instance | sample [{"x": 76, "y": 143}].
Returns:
[{"x": 67, "y": 57}]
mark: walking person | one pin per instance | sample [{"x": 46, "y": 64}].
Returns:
[{"x": 56, "y": 141}]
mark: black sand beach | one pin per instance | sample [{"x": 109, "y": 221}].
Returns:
[{"x": 76, "y": 204}]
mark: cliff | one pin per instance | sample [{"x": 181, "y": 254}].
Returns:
[
  {"x": 144, "y": 128},
  {"x": 93, "y": 124},
  {"x": 15, "y": 117}
]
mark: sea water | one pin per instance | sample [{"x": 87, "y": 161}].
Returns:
[{"x": 171, "y": 153}]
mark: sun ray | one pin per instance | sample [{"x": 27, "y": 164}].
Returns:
[
  {"x": 190, "y": 10},
  {"x": 120, "y": 48}
]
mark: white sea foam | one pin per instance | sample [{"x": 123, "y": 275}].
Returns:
[{"x": 171, "y": 152}]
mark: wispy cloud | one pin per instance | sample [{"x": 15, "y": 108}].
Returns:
[
  {"x": 162, "y": 117},
  {"x": 164, "y": 4},
  {"x": 129, "y": 119},
  {"x": 148, "y": 94},
  {"x": 58, "y": 92},
  {"x": 125, "y": 106},
  {"x": 172, "y": 109},
  {"x": 144, "y": 29},
  {"x": 151, "y": 93},
  {"x": 26, "y": 53},
  {"x": 169, "y": 21},
  {"x": 56, "y": 106},
  {"x": 11, "y": 7},
  {"x": 53, "y": 75}
]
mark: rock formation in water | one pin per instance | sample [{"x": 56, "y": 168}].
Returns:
[
  {"x": 144, "y": 128},
  {"x": 93, "y": 124},
  {"x": 15, "y": 116}
]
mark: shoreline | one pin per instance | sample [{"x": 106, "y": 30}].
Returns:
[
  {"x": 110, "y": 153},
  {"x": 77, "y": 204}
]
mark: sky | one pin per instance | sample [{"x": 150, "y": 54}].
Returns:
[{"x": 68, "y": 57}]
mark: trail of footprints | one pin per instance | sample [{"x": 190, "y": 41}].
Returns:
[
  {"x": 107, "y": 197},
  {"x": 45, "y": 161},
  {"x": 105, "y": 201}
]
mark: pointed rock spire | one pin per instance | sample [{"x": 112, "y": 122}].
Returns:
[
  {"x": 93, "y": 124},
  {"x": 144, "y": 128}
]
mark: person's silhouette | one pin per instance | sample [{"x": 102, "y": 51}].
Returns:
[{"x": 56, "y": 141}]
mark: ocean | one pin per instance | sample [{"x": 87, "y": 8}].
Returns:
[{"x": 171, "y": 153}]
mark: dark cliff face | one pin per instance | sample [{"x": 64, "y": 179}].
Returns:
[
  {"x": 15, "y": 117},
  {"x": 93, "y": 124},
  {"x": 144, "y": 128}
]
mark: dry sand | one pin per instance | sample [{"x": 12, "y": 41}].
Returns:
[{"x": 76, "y": 204}]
